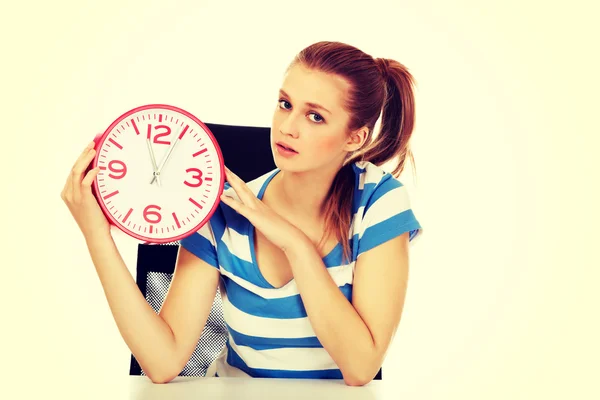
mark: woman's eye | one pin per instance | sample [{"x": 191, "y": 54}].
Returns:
[{"x": 319, "y": 118}]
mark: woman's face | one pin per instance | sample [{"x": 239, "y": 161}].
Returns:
[{"x": 317, "y": 134}]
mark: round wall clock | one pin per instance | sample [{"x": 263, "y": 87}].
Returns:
[{"x": 161, "y": 173}]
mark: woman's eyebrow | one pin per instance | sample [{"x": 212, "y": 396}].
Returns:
[{"x": 313, "y": 105}]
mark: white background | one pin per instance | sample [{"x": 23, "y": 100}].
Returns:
[{"x": 502, "y": 299}]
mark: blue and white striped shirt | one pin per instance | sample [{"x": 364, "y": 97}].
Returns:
[{"x": 269, "y": 331}]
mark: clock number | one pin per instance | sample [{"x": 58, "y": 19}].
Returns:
[
  {"x": 120, "y": 170},
  {"x": 155, "y": 214},
  {"x": 197, "y": 176},
  {"x": 167, "y": 132}
]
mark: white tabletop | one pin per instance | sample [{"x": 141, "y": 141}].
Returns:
[
  {"x": 125, "y": 387},
  {"x": 114, "y": 385},
  {"x": 140, "y": 387},
  {"x": 254, "y": 388}
]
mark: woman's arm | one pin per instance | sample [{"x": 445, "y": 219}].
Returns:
[
  {"x": 161, "y": 343},
  {"x": 356, "y": 335}
]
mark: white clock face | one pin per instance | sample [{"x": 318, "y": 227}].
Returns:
[{"x": 160, "y": 174}]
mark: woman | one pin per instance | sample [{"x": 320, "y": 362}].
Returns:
[{"x": 311, "y": 258}]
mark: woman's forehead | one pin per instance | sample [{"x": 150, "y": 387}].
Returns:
[{"x": 304, "y": 85}]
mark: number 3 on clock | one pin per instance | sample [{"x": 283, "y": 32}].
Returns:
[{"x": 197, "y": 176}]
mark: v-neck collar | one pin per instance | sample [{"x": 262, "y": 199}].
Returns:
[{"x": 251, "y": 232}]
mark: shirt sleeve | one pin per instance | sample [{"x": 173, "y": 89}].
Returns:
[
  {"x": 203, "y": 243},
  {"x": 387, "y": 214}
]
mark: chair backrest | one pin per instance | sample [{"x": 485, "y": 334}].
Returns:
[{"x": 247, "y": 152}]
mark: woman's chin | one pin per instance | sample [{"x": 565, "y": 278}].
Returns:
[{"x": 286, "y": 165}]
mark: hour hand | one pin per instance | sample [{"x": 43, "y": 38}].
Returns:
[
  {"x": 166, "y": 158},
  {"x": 153, "y": 159}
]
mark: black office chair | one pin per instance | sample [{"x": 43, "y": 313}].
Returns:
[{"x": 247, "y": 152}]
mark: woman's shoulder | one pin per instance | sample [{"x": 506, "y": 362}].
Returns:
[
  {"x": 376, "y": 187},
  {"x": 371, "y": 178},
  {"x": 382, "y": 202}
]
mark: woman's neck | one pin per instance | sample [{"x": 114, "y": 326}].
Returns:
[{"x": 301, "y": 194}]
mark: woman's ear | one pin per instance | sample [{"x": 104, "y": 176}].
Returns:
[{"x": 357, "y": 139}]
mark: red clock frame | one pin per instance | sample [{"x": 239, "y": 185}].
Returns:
[{"x": 102, "y": 137}]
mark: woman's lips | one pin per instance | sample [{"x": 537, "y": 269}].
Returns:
[
  {"x": 284, "y": 151},
  {"x": 285, "y": 146}
]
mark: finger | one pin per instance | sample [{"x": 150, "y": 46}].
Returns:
[
  {"x": 83, "y": 161},
  {"x": 243, "y": 191},
  {"x": 83, "y": 154},
  {"x": 79, "y": 170},
  {"x": 89, "y": 178},
  {"x": 66, "y": 192},
  {"x": 231, "y": 176},
  {"x": 237, "y": 206}
]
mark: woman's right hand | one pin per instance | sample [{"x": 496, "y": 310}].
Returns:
[{"x": 77, "y": 195}]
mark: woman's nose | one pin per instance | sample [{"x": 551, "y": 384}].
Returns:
[{"x": 289, "y": 126}]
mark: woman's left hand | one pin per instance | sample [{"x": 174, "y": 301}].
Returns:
[{"x": 274, "y": 227}]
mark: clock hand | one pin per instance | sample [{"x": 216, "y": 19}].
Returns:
[
  {"x": 165, "y": 159},
  {"x": 153, "y": 159}
]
